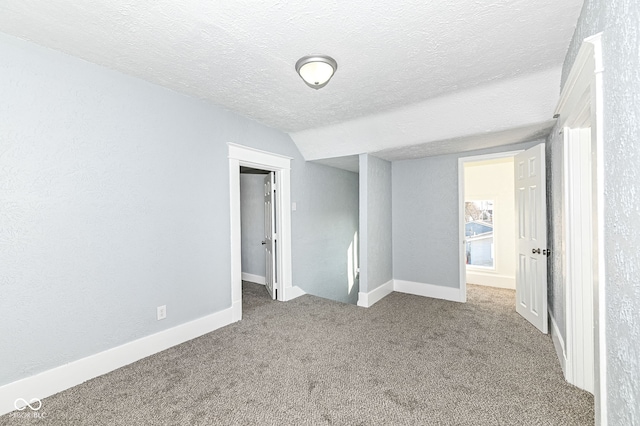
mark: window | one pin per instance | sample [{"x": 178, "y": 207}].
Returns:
[{"x": 478, "y": 231}]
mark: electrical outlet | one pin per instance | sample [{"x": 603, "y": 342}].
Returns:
[{"x": 162, "y": 312}]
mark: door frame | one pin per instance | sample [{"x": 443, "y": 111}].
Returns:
[
  {"x": 240, "y": 155},
  {"x": 463, "y": 243},
  {"x": 581, "y": 102}
]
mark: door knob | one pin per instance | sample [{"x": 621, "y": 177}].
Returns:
[
  {"x": 264, "y": 242},
  {"x": 534, "y": 251}
]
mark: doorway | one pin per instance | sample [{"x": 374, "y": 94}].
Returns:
[
  {"x": 253, "y": 223},
  {"x": 486, "y": 258},
  {"x": 490, "y": 222},
  {"x": 242, "y": 156},
  {"x": 529, "y": 215}
]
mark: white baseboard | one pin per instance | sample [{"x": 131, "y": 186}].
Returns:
[
  {"x": 429, "y": 290},
  {"x": 558, "y": 343},
  {"x": 491, "y": 280},
  {"x": 367, "y": 300},
  {"x": 68, "y": 375},
  {"x": 258, "y": 279},
  {"x": 236, "y": 309},
  {"x": 291, "y": 293},
  {"x": 419, "y": 289}
]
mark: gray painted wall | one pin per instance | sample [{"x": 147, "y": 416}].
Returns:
[
  {"x": 327, "y": 217},
  {"x": 252, "y": 223},
  {"x": 375, "y": 223},
  {"x": 114, "y": 199},
  {"x": 621, "y": 55},
  {"x": 425, "y": 217}
]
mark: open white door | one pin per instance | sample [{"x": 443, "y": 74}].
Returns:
[
  {"x": 531, "y": 228},
  {"x": 270, "y": 233}
]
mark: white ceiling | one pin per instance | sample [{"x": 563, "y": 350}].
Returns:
[
  {"x": 512, "y": 103},
  {"x": 241, "y": 53},
  {"x": 447, "y": 146}
]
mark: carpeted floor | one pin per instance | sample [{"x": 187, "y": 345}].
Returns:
[{"x": 408, "y": 360}]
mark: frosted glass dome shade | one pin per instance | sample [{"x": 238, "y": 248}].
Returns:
[{"x": 316, "y": 71}]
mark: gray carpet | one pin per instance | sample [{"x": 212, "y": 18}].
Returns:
[{"x": 407, "y": 360}]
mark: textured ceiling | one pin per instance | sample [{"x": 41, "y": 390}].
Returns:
[
  {"x": 241, "y": 53},
  {"x": 469, "y": 143},
  {"x": 349, "y": 162},
  {"x": 511, "y": 103},
  {"x": 448, "y": 146}
]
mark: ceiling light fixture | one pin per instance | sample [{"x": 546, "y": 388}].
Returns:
[{"x": 316, "y": 70}]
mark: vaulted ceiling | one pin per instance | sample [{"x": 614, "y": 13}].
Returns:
[{"x": 410, "y": 73}]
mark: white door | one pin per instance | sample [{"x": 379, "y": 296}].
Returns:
[
  {"x": 531, "y": 228},
  {"x": 270, "y": 240}
]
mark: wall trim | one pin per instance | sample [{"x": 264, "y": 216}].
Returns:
[
  {"x": 582, "y": 100},
  {"x": 292, "y": 292},
  {"x": 258, "y": 279},
  {"x": 366, "y": 300},
  {"x": 236, "y": 311},
  {"x": 74, "y": 373},
  {"x": 430, "y": 290},
  {"x": 490, "y": 279},
  {"x": 258, "y": 156},
  {"x": 558, "y": 343}
]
